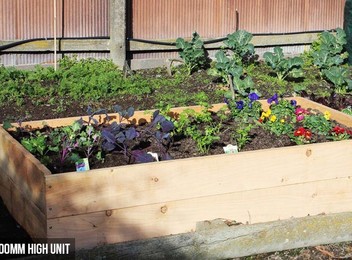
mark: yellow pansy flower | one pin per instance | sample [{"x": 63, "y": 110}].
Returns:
[
  {"x": 282, "y": 120},
  {"x": 273, "y": 118},
  {"x": 327, "y": 115},
  {"x": 267, "y": 113}
]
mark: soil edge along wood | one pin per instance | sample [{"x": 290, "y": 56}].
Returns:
[{"x": 141, "y": 201}]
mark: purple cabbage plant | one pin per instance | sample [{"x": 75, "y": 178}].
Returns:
[{"x": 160, "y": 129}]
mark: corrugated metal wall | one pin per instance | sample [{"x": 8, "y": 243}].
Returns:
[
  {"x": 161, "y": 19},
  {"x": 27, "y": 19},
  {"x": 158, "y": 19}
]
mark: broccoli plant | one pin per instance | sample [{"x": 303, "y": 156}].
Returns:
[
  {"x": 328, "y": 50},
  {"x": 339, "y": 76},
  {"x": 232, "y": 74},
  {"x": 284, "y": 67},
  {"x": 192, "y": 53},
  {"x": 239, "y": 43}
]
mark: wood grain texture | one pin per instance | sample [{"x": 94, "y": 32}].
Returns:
[
  {"x": 22, "y": 208},
  {"x": 145, "y": 116},
  {"x": 133, "y": 185},
  {"x": 254, "y": 206},
  {"x": 220, "y": 241},
  {"x": 340, "y": 117},
  {"x": 138, "y": 117},
  {"x": 24, "y": 170}
]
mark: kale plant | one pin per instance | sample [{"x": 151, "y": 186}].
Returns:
[
  {"x": 192, "y": 53},
  {"x": 240, "y": 46},
  {"x": 232, "y": 74},
  {"x": 284, "y": 67},
  {"x": 328, "y": 50},
  {"x": 340, "y": 77}
]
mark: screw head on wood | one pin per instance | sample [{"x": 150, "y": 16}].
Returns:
[{"x": 163, "y": 209}]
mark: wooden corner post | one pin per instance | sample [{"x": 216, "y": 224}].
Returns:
[{"x": 118, "y": 32}]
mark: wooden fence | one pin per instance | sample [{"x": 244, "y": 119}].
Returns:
[{"x": 148, "y": 19}]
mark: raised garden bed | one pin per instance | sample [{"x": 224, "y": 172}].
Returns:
[{"x": 150, "y": 200}]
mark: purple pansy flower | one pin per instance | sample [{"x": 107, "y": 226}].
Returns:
[
  {"x": 239, "y": 105},
  {"x": 253, "y": 96},
  {"x": 293, "y": 103},
  {"x": 274, "y": 98}
]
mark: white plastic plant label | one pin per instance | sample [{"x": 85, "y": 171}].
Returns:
[
  {"x": 230, "y": 149},
  {"x": 82, "y": 165}
]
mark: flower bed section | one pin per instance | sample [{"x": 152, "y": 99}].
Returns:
[{"x": 149, "y": 200}]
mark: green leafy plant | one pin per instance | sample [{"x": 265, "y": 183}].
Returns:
[
  {"x": 317, "y": 123},
  {"x": 284, "y": 67},
  {"x": 229, "y": 62},
  {"x": 240, "y": 46},
  {"x": 192, "y": 53},
  {"x": 340, "y": 77},
  {"x": 242, "y": 134},
  {"x": 347, "y": 110},
  {"x": 205, "y": 137},
  {"x": 328, "y": 50},
  {"x": 246, "y": 110},
  {"x": 200, "y": 127},
  {"x": 232, "y": 74},
  {"x": 38, "y": 145},
  {"x": 280, "y": 117}
]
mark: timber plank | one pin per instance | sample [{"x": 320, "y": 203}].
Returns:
[
  {"x": 22, "y": 208},
  {"x": 67, "y": 45},
  {"x": 132, "y": 185},
  {"x": 221, "y": 241},
  {"x": 254, "y": 206},
  {"x": 26, "y": 172},
  {"x": 138, "y": 117},
  {"x": 339, "y": 116},
  {"x": 145, "y": 116}
]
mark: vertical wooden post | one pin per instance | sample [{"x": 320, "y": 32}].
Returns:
[
  {"x": 55, "y": 43},
  {"x": 118, "y": 32}
]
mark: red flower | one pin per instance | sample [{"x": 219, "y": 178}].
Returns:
[
  {"x": 308, "y": 134},
  {"x": 338, "y": 130},
  {"x": 299, "y": 132}
]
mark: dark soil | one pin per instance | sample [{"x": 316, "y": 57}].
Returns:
[{"x": 31, "y": 110}]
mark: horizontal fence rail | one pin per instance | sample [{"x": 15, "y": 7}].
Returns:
[
  {"x": 154, "y": 20},
  {"x": 102, "y": 45}
]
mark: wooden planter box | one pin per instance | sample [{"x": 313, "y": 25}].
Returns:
[{"x": 156, "y": 199}]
